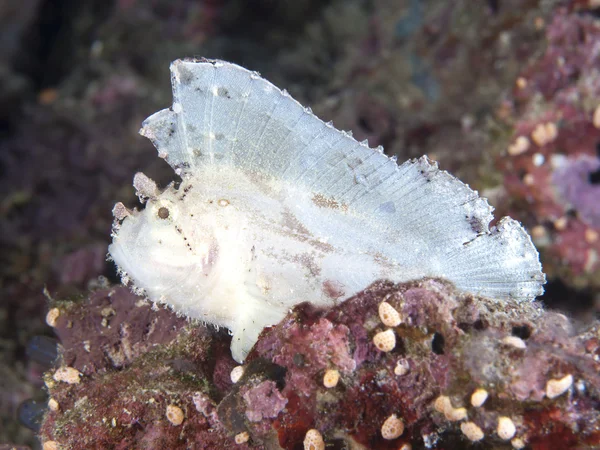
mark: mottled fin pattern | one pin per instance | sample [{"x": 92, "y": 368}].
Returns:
[{"x": 225, "y": 114}]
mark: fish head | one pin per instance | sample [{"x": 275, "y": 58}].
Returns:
[{"x": 163, "y": 247}]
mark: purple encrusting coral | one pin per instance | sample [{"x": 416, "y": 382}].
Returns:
[
  {"x": 122, "y": 331},
  {"x": 575, "y": 184},
  {"x": 539, "y": 376},
  {"x": 116, "y": 383}
]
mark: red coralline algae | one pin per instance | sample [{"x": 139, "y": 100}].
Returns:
[
  {"x": 472, "y": 356},
  {"x": 321, "y": 343},
  {"x": 263, "y": 401}
]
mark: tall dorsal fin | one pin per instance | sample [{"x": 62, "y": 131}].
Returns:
[{"x": 223, "y": 114}]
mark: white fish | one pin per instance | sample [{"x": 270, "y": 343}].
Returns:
[{"x": 277, "y": 207}]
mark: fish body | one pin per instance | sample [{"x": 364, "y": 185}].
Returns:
[{"x": 277, "y": 207}]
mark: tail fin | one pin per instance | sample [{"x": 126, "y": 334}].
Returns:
[{"x": 500, "y": 264}]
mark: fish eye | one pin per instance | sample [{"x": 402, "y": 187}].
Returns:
[{"x": 163, "y": 212}]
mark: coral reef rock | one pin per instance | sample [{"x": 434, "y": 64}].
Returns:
[{"x": 462, "y": 369}]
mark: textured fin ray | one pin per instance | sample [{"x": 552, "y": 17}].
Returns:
[
  {"x": 503, "y": 263},
  {"x": 162, "y": 128},
  {"x": 224, "y": 114}
]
